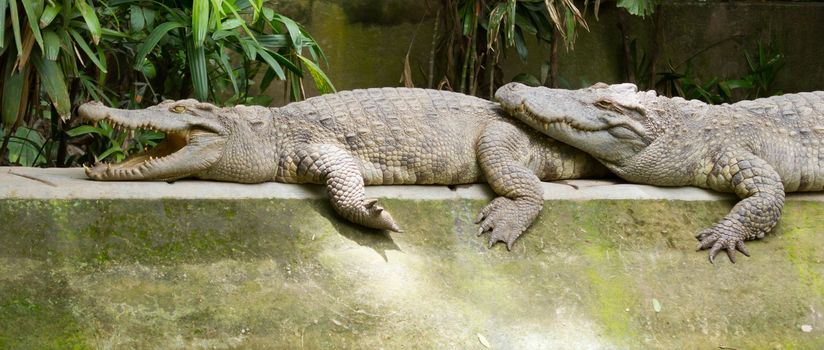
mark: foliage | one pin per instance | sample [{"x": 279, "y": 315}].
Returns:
[
  {"x": 480, "y": 30},
  {"x": 44, "y": 65},
  {"x": 56, "y": 55},
  {"x": 641, "y": 8},
  {"x": 197, "y": 44},
  {"x": 757, "y": 83}
]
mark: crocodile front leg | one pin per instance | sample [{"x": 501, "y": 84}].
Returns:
[
  {"x": 344, "y": 183},
  {"x": 762, "y": 193},
  {"x": 508, "y": 216}
]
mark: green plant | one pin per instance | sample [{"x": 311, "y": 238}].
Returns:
[
  {"x": 199, "y": 44},
  {"x": 757, "y": 83},
  {"x": 479, "y": 31},
  {"x": 56, "y": 55},
  {"x": 113, "y": 143},
  {"x": 42, "y": 61},
  {"x": 641, "y": 8}
]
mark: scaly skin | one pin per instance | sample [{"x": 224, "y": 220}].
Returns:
[
  {"x": 757, "y": 149},
  {"x": 355, "y": 138}
]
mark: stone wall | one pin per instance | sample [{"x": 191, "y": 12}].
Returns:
[
  {"x": 367, "y": 41},
  {"x": 199, "y": 264}
]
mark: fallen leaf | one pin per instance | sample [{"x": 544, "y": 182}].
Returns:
[
  {"x": 483, "y": 341},
  {"x": 656, "y": 305}
]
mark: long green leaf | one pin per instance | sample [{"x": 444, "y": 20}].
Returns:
[
  {"x": 115, "y": 149},
  {"x": 91, "y": 19},
  {"x": 197, "y": 68},
  {"x": 78, "y": 39},
  {"x": 200, "y": 21},
  {"x": 272, "y": 63},
  {"x": 15, "y": 26},
  {"x": 4, "y": 45},
  {"x": 249, "y": 48},
  {"x": 25, "y": 147},
  {"x": 638, "y": 7},
  {"x": 293, "y": 28},
  {"x": 3, "y": 5},
  {"x": 268, "y": 77},
  {"x": 231, "y": 23},
  {"x": 33, "y": 17},
  {"x": 49, "y": 14},
  {"x": 219, "y": 35},
  {"x": 217, "y": 13},
  {"x": 52, "y": 44},
  {"x": 273, "y": 41},
  {"x": 283, "y": 61},
  {"x": 84, "y": 129},
  {"x": 295, "y": 87},
  {"x": 136, "y": 19},
  {"x": 494, "y": 25},
  {"x": 152, "y": 40},
  {"x": 13, "y": 86},
  {"x": 52, "y": 77},
  {"x": 256, "y": 5},
  {"x": 245, "y": 28},
  {"x": 321, "y": 80},
  {"x": 112, "y": 33},
  {"x": 527, "y": 26},
  {"x": 317, "y": 53},
  {"x": 268, "y": 13},
  {"x": 511, "y": 11},
  {"x": 223, "y": 58}
]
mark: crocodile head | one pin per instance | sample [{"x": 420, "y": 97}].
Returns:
[
  {"x": 202, "y": 140},
  {"x": 607, "y": 121}
]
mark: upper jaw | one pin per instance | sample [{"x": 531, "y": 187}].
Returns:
[
  {"x": 155, "y": 118},
  {"x": 192, "y": 143}
]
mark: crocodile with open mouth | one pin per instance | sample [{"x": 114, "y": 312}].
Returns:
[
  {"x": 757, "y": 149},
  {"x": 354, "y": 138}
]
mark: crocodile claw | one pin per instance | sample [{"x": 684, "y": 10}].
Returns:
[
  {"x": 717, "y": 239},
  {"x": 376, "y": 217},
  {"x": 504, "y": 220}
]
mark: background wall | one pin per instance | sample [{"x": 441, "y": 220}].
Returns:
[{"x": 367, "y": 41}]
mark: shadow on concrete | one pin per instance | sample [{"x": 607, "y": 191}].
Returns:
[{"x": 378, "y": 240}]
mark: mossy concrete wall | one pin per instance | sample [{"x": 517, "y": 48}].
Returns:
[{"x": 205, "y": 265}]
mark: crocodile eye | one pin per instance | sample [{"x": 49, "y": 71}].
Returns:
[
  {"x": 609, "y": 105},
  {"x": 603, "y": 104},
  {"x": 178, "y": 109}
]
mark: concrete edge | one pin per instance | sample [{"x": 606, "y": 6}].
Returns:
[{"x": 71, "y": 183}]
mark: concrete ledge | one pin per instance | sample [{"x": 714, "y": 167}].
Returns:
[
  {"x": 72, "y": 183},
  {"x": 36, "y": 183},
  {"x": 199, "y": 264}
]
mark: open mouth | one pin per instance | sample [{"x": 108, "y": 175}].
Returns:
[{"x": 190, "y": 145}]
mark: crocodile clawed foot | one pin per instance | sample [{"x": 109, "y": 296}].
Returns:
[
  {"x": 504, "y": 219},
  {"x": 376, "y": 217},
  {"x": 716, "y": 239}
]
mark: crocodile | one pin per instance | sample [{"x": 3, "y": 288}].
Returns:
[
  {"x": 758, "y": 149},
  {"x": 349, "y": 139}
]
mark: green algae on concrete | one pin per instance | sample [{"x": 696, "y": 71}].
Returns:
[{"x": 288, "y": 273}]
